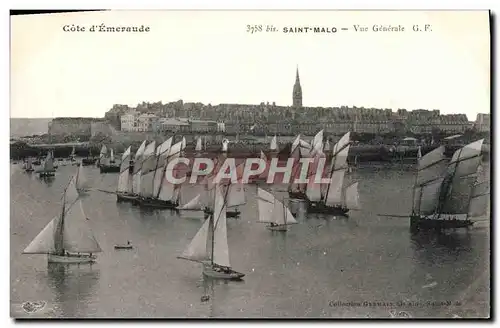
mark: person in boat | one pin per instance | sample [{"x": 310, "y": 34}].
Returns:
[
  {"x": 128, "y": 242},
  {"x": 272, "y": 224}
]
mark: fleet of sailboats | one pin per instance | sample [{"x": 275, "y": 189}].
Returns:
[
  {"x": 446, "y": 194},
  {"x": 67, "y": 238}
]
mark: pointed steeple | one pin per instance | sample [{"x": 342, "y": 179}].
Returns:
[{"x": 297, "y": 91}]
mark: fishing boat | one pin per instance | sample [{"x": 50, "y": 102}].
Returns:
[
  {"x": 235, "y": 198},
  {"x": 47, "y": 169},
  {"x": 72, "y": 156},
  {"x": 273, "y": 211},
  {"x": 447, "y": 194},
  {"x": 102, "y": 154},
  {"x": 136, "y": 172},
  {"x": 273, "y": 146},
  {"x": 112, "y": 156},
  {"x": 210, "y": 247},
  {"x": 81, "y": 181},
  {"x": 67, "y": 238},
  {"x": 225, "y": 144},
  {"x": 156, "y": 189},
  {"x": 105, "y": 163},
  {"x": 334, "y": 198},
  {"x": 28, "y": 165},
  {"x": 124, "y": 188},
  {"x": 127, "y": 246}
]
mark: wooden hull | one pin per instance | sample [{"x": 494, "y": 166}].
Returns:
[
  {"x": 212, "y": 272},
  {"x": 297, "y": 195},
  {"x": 125, "y": 247},
  {"x": 156, "y": 203},
  {"x": 418, "y": 223},
  {"x": 321, "y": 208},
  {"x": 281, "y": 227},
  {"x": 71, "y": 259},
  {"x": 109, "y": 169},
  {"x": 121, "y": 197},
  {"x": 229, "y": 214}
]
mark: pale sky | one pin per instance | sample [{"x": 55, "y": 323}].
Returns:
[{"x": 208, "y": 57}]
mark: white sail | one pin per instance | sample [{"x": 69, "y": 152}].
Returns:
[
  {"x": 162, "y": 152},
  {"x": 199, "y": 146},
  {"x": 221, "y": 248},
  {"x": 265, "y": 195},
  {"x": 266, "y": 209},
  {"x": 274, "y": 144},
  {"x": 183, "y": 144},
  {"x": 457, "y": 188},
  {"x": 317, "y": 144},
  {"x": 352, "y": 197},
  {"x": 29, "y": 164},
  {"x": 124, "y": 177},
  {"x": 304, "y": 144},
  {"x": 313, "y": 191},
  {"x": 71, "y": 193},
  {"x": 148, "y": 170},
  {"x": 342, "y": 143},
  {"x": 44, "y": 241},
  {"x": 282, "y": 214},
  {"x": 167, "y": 191},
  {"x": 263, "y": 156},
  {"x": 236, "y": 195},
  {"x": 136, "y": 174},
  {"x": 295, "y": 144},
  {"x": 194, "y": 204},
  {"x": 112, "y": 155},
  {"x": 197, "y": 250},
  {"x": 77, "y": 235},
  {"x": 419, "y": 153},
  {"x": 81, "y": 180},
  {"x": 334, "y": 194},
  {"x": 225, "y": 144}
]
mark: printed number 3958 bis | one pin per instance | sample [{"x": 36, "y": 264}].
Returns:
[{"x": 254, "y": 28}]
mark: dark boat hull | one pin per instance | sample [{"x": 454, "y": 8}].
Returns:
[
  {"x": 321, "y": 208},
  {"x": 109, "y": 169},
  {"x": 418, "y": 223},
  {"x": 156, "y": 203},
  {"x": 88, "y": 161},
  {"x": 297, "y": 195},
  {"x": 125, "y": 197},
  {"x": 229, "y": 214},
  {"x": 46, "y": 174}
]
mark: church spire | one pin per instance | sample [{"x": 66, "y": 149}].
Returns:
[{"x": 297, "y": 91}]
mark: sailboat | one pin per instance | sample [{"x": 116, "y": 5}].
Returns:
[
  {"x": 210, "y": 247},
  {"x": 47, "y": 169},
  {"x": 136, "y": 172},
  {"x": 28, "y": 166},
  {"x": 156, "y": 189},
  {"x": 67, "y": 238},
  {"x": 72, "y": 156},
  {"x": 81, "y": 181},
  {"x": 89, "y": 160},
  {"x": 194, "y": 204},
  {"x": 334, "y": 198},
  {"x": 124, "y": 189},
  {"x": 296, "y": 190},
  {"x": 445, "y": 195},
  {"x": 273, "y": 211},
  {"x": 235, "y": 198}
]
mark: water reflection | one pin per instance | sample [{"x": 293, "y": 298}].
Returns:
[
  {"x": 216, "y": 294},
  {"x": 73, "y": 286}
]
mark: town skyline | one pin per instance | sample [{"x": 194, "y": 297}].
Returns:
[{"x": 68, "y": 78}]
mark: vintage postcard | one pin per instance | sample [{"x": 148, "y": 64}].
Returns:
[{"x": 250, "y": 164}]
